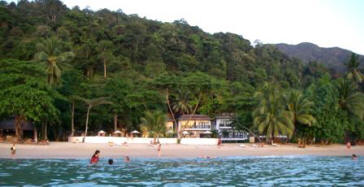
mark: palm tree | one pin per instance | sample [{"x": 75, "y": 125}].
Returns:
[
  {"x": 155, "y": 123},
  {"x": 300, "y": 108},
  {"x": 349, "y": 98},
  {"x": 270, "y": 115},
  {"x": 92, "y": 103},
  {"x": 50, "y": 51},
  {"x": 353, "y": 69},
  {"x": 182, "y": 105}
]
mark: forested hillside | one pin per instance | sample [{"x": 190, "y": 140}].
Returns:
[
  {"x": 67, "y": 70},
  {"x": 331, "y": 58}
]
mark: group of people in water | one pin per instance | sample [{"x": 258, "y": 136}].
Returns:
[{"x": 96, "y": 157}]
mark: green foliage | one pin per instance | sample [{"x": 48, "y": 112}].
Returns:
[
  {"x": 51, "y": 51},
  {"x": 25, "y": 93},
  {"x": 300, "y": 108},
  {"x": 270, "y": 115},
  {"x": 154, "y": 122},
  {"x": 353, "y": 69},
  {"x": 349, "y": 98},
  {"x": 142, "y": 65}
]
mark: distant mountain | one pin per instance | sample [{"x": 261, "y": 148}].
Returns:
[{"x": 333, "y": 58}]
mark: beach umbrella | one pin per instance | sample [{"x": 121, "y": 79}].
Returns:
[
  {"x": 101, "y": 133},
  {"x": 135, "y": 132},
  {"x": 170, "y": 132}
]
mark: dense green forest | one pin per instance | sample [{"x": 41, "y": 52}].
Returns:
[{"x": 71, "y": 70}]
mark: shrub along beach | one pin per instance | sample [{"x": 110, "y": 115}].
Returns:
[{"x": 70, "y": 72}]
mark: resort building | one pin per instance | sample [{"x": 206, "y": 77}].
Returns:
[
  {"x": 224, "y": 125},
  {"x": 196, "y": 126},
  {"x": 7, "y": 128},
  {"x": 170, "y": 125}
]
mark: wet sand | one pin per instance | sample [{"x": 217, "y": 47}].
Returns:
[{"x": 79, "y": 150}]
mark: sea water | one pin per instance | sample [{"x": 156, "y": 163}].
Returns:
[{"x": 230, "y": 171}]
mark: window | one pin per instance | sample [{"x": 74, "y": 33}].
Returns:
[
  {"x": 203, "y": 125},
  {"x": 225, "y": 123}
]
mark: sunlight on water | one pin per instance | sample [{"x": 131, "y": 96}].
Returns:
[{"x": 289, "y": 171}]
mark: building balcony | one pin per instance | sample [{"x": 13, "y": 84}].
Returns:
[
  {"x": 202, "y": 128},
  {"x": 225, "y": 127}
]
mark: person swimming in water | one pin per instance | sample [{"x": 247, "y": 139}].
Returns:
[
  {"x": 95, "y": 157},
  {"x": 126, "y": 159},
  {"x": 110, "y": 161},
  {"x": 354, "y": 157}
]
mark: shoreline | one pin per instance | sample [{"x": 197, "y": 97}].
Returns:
[{"x": 66, "y": 150}]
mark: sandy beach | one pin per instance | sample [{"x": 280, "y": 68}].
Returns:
[{"x": 79, "y": 150}]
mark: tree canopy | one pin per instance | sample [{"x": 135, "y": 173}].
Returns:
[{"x": 51, "y": 54}]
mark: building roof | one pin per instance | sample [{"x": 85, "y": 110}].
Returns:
[
  {"x": 194, "y": 117},
  {"x": 225, "y": 116},
  {"x": 10, "y": 125}
]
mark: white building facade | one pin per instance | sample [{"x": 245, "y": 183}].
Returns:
[{"x": 226, "y": 131}]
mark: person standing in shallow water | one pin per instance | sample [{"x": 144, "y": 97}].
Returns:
[
  {"x": 95, "y": 157},
  {"x": 159, "y": 149},
  {"x": 13, "y": 150}
]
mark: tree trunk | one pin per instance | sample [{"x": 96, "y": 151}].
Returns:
[
  {"x": 18, "y": 127},
  {"x": 45, "y": 131},
  {"x": 172, "y": 114},
  {"x": 104, "y": 68},
  {"x": 87, "y": 116},
  {"x": 35, "y": 134},
  {"x": 73, "y": 119},
  {"x": 115, "y": 122}
]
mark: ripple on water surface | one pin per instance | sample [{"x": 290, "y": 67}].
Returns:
[{"x": 291, "y": 171}]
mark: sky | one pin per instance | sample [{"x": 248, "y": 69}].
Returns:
[{"x": 327, "y": 23}]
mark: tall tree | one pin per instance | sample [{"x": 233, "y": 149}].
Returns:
[
  {"x": 118, "y": 90},
  {"x": 182, "y": 102},
  {"x": 51, "y": 51},
  {"x": 300, "y": 108},
  {"x": 165, "y": 84},
  {"x": 353, "y": 71},
  {"x": 350, "y": 99},
  {"x": 270, "y": 116},
  {"x": 105, "y": 53},
  {"x": 90, "y": 104},
  {"x": 72, "y": 86},
  {"x": 25, "y": 94}
]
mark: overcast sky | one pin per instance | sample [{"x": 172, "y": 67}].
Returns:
[{"x": 327, "y": 23}]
